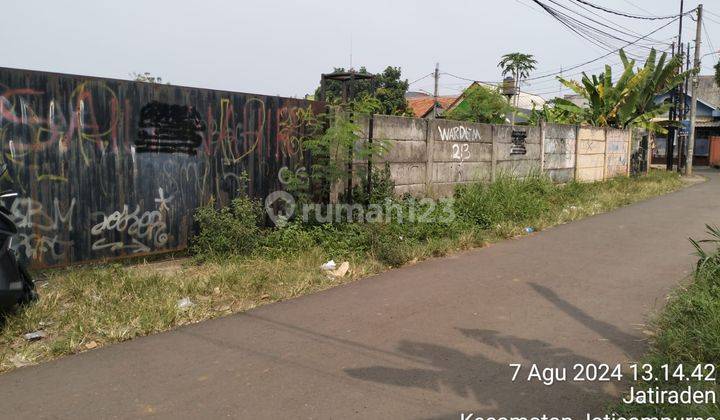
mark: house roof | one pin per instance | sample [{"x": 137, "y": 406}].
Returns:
[
  {"x": 422, "y": 105},
  {"x": 525, "y": 101}
]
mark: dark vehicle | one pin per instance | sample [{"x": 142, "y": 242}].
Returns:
[{"x": 16, "y": 285}]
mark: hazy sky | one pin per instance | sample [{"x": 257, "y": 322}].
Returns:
[{"x": 281, "y": 47}]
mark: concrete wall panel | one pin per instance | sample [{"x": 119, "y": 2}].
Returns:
[
  {"x": 457, "y": 131},
  {"x": 461, "y": 172},
  {"x": 462, "y": 152}
]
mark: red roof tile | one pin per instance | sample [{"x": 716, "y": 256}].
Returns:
[{"x": 423, "y": 105}]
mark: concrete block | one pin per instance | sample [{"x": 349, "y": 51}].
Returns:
[
  {"x": 399, "y": 128},
  {"x": 446, "y": 189},
  {"x": 613, "y": 171},
  {"x": 503, "y": 133},
  {"x": 553, "y": 131},
  {"x": 617, "y": 160},
  {"x": 618, "y": 135},
  {"x": 561, "y": 175},
  {"x": 456, "y": 131},
  {"x": 589, "y": 147},
  {"x": 461, "y": 172},
  {"x": 589, "y": 174},
  {"x": 590, "y": 161},
  {"x": 518, "y": 168},
  {"x": 590, "y": 133},
  {"x": 462, "y": 152},
  {"x": 560, "y": 146},
  {"x": 416, "y": 190},
  {"x": 407, "y": 173},
  {"x": 532, "y": 152},
  {"x": 617, "y": 146},
  {"x": 554, "y": 161},
  {"x": 407, "y": 151}
]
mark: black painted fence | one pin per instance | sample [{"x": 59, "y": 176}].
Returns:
[{"x": 110, "y": 168}]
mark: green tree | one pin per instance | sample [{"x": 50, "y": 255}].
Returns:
[
  {"x": 483, "y": 105},
  {"x": 517, "y": 64},
  {"x": 553, "y": 114},
  {"x": 389, "y": 90},
  {"x": 717, "y": 73},
  {"x": 631, "y": 99}
]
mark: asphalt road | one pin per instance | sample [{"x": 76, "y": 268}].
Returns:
[{"x": 429, "y": 341}]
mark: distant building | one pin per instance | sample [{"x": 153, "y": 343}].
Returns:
[
  {"x": 578, "y": 100},
  {"x": 707, "y": 123},
  {"x": 422, "y": 104}
]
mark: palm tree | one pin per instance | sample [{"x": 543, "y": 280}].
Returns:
[{"x": 519, "y": 65}]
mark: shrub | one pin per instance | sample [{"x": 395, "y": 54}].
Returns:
[
  {"x": 687, "y": 334},
  {"x": 289, "y": 240},
  {"x": 387, "y": 243},
  {"x": 508, "y": 199},
  {"x": 231, "y": 230}
]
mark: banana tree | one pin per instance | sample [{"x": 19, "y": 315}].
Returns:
[{"x": 631, "y": 99}]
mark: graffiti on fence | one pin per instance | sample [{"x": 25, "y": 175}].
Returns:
[{"x": 107, "y": 168}]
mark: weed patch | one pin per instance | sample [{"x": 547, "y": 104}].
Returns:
[{"x": 241, "y": 264}]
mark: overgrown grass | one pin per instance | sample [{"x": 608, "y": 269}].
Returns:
[
  {"x": 687, "y": 332},
  {"x": 82, "y": 308}
]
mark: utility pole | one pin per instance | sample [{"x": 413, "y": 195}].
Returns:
[
  {"x": 435, "y": 92},
  {"x": 675, "y": 97},
  {"x": 670, "y": 141},
  {"x": 679, "y": 114},
  {"x": 695, "y": 83}
]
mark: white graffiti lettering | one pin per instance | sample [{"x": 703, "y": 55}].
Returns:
[{"x": 459, "y": 133}]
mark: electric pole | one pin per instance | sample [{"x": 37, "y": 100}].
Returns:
[
  {"x": 693, "y": 104},
  {"x": 675, "y": 95},
  {"x": 435, "y": 92},
  {"x": 670, "y": 141}
]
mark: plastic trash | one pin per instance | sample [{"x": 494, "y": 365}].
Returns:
[
  {"x": 328, "y": 266},
  {"x": 184, "y": 303},
  {"x": 529, "y": 230},
  {"x": 35, "y": 335}
]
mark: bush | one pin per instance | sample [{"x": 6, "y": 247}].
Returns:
[
  {"x": 232, "y": 230},
  {"x": 290, "y": 240},
  {"x": 508, "y": 199},
  {"x": 688, "y": 334}
]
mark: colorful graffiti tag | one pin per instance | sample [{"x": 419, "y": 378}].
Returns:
[{"x": 109, "y": 168}]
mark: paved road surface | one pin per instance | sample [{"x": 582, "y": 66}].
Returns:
[{"x": 427, "y": 341}]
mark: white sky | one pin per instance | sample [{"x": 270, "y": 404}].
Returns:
[{"x": 281, "y": 47}]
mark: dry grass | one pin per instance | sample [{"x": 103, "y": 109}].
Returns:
[{"x": 84, "y": 308}]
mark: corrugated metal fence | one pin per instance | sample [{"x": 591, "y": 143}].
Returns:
[{"x": 109, "y": 168}]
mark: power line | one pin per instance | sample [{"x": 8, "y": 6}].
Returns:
[
  {"x": 608, "y": 20},
  {"x": 623, "y": 30},
  {"x": 627, "y": 15},
  {"x": 639, "y": 8},
  {"x": 588, "y": 32},
  {"x": 710, "y": 44},
  {"x": 604, "y": 55},
  {"x": 566, "y": 69},
  {"x": 421, "y": 78}
]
